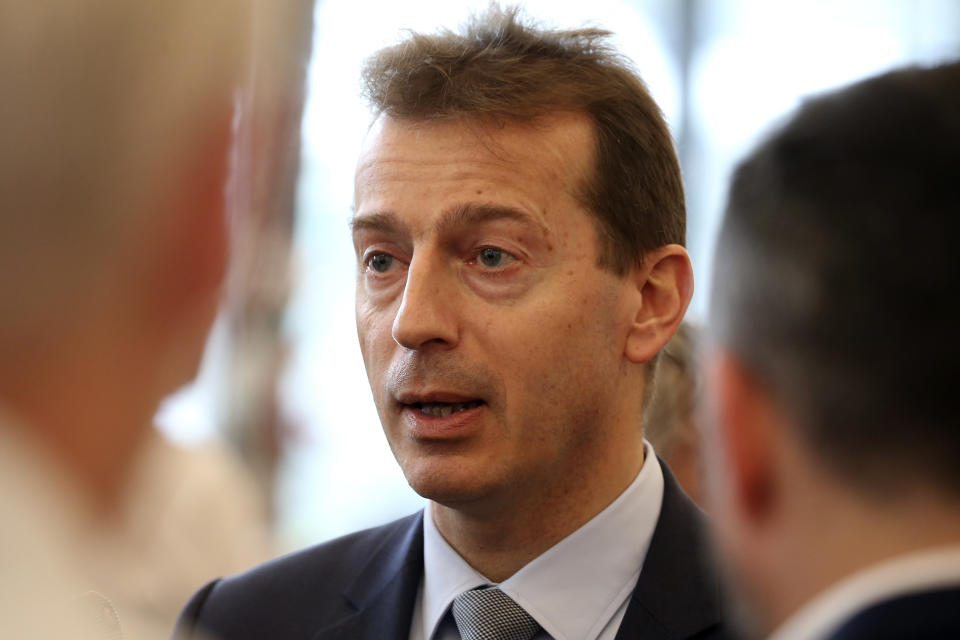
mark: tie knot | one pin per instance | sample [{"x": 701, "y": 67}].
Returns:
[{"x": 490, "y": 614}]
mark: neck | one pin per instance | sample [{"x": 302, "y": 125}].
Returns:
[
  {"x": 847, "y": 536},
  {"x": 500, "y": 537},
  {"x": 82, "y": 415}
]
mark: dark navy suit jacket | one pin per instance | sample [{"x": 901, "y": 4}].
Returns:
[
  {"x": 363, "y": 586},
  {"x": 921, "y": 616}
]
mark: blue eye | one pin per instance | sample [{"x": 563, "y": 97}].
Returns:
[
  {"x": 491, "y": 257},
  {"x": 381, "y": 262}
]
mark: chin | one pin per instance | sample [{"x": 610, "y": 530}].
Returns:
[{"x": 451, "y": 483}]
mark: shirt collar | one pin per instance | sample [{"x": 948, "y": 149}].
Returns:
[
  {"x": 576, "y": 586},
  {"x": 445, "y": 574}
]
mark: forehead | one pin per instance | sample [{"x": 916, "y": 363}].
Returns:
[{"x": 538, "y": 165}]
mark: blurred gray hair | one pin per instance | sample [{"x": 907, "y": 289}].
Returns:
[
  {"x": 671, "y": 402},
  {"x": 100, "y": 102}
]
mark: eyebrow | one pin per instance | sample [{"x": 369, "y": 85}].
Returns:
[
  {"x": 467, "y": 214},
  {"x": 475, "y": 213},
  {"x": 379, "y": 221}
]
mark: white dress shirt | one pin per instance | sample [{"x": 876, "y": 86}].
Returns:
[
  {"x": 577, "y": 590},
  {"x": 912, "y": 573}
]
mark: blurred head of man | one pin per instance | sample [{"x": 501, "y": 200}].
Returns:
[
  {"x": 115, "y": 127},
  {"x": 518, "y": 226},
  {"x": 833, "y": 439},
  {"x": 669, "y": 419}
]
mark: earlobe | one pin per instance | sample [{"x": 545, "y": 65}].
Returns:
[{"x": 664, "y": 286}]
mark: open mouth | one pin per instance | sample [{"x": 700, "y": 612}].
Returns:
[{"x": 444, "y": 409}]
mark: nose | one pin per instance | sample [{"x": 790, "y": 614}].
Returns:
[{"x": 428, "y": 310}]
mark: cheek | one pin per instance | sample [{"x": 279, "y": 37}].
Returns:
[
  {"x": 563, "y": 356},
  {"x": 586, "y": 355},
  {"x": 374, "y": 332}
]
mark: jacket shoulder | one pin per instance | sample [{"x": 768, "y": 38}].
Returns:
[
  {"x": 678, "y": 594},
  {"x": 289, "y": 595}
]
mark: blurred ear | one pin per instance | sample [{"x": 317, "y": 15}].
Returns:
[
  {"x": 185, "y": 260},
  {"x": 192, "y": 245},
  {"x": 664, "y": 286},
  {"x": 744, "y": 420}
]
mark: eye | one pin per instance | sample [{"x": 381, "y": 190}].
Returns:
[
  {"x": 492, "y": 257},
  {"x": 380, "y": 262}
]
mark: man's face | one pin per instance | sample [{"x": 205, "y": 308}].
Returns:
[{"x": 492, "y": 340}]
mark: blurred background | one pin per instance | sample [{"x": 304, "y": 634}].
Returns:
[{"x": 283, "y": 388}]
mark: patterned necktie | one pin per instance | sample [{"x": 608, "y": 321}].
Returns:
[{"x": 490, "y": 614}]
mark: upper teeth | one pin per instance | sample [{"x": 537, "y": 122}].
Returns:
[{"x": 443, "y": 410}]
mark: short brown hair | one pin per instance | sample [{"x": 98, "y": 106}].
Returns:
[{"x": 498, "y": 67}]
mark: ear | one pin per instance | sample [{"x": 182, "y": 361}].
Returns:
[
  {"x": 742, "y": 422},
  {"x": 664, "y": 286},
  {"x": 191, "y": 250},
  {"x": 187, "y": 258}
]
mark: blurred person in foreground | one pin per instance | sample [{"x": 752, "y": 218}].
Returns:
[
  {"x": 670, "y": 419},
  {"x": 115, "y": 126},
  {"x": 518, "y": 225},
  {"x": 834, "y": 427},
  {"x": 188, "y": 513}
]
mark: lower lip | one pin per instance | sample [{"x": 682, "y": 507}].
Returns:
[{"x": 457, "y": 425}]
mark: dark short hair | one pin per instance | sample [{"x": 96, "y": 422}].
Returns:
[
  {"x": 500, "y": 68},
  {"x": 837, "y": 275}
]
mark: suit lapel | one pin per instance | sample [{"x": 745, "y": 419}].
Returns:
[
  {"x": 385, "y": 589},
  {"x": 677, "y": 595}
]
